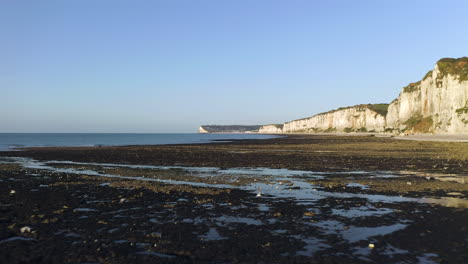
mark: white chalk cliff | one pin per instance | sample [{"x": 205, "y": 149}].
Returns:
[
  {"x": 271, "y": 129},
  {"x": 201, "y": 129},
  {"x": 348, "y": 119},
  {"x": 436, "y": 104}
]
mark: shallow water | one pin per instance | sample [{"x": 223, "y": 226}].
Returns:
[{"x": 282, "y": 183}]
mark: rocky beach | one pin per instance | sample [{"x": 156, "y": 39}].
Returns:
[{"x": 300, "y": 198}]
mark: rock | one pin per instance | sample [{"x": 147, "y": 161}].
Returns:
[
  {"x": 454, "y": 194},
  {"x": 25, "y": 229},
  {"x": 309, "y": 213}
]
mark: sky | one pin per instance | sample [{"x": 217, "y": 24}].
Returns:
[{"x": 172, "y": 65}]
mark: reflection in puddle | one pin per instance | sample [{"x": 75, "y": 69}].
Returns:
[
  {"x": 427, "y": 258},
  {"x": 212, "y": 234},
  {"x": 226, "y": 220},
  {"x": 84, "y": 210},
  {"x": 151, "y": 253},
  {"x": 354, "y": 234},
  {"x": 312, "y": 245},
  {"x": 358, "y": 185},
  {"x": 263, "y": 208},
  {"x": 362, "y": 211},
  {"x": 11, "y": 239},
  {"x": 447, "y": 202},
  {"x": 439, "y": 176}
]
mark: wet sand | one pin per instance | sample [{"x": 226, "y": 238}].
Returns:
[
  {"x": 300, "y": 199},
  {"x": 443, "y": 138}
]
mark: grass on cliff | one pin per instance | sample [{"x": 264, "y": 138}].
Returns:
[
  {"x": 412, "y": 87},
  {"x": 463, "y": 110},
  {"x": 381, "y": 109},
  {"x": 457, "y": 67},
  {"x": 418, "y": 124},
  {"x": 428, "y": 74}
]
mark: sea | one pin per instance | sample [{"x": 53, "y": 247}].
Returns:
[{"x": 13, "y": 141}]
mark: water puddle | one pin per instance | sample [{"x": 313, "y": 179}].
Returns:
[
  {"x": 354, "y": 234},
  {"x": 17, "y": 238},
  {"x": 312, "y": 245},
  {"x": 357, "y": 185},
  {"x": 156, "y": 254},
  {"x": 362, "y": 211},
  {"x": 84, "y": 210},
  {"x": 212, "y": 234},
  {"x": 439, "y": 176},
  {"x": 226, "y": 220}
]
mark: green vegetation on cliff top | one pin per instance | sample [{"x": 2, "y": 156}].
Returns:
[
  {"x": 412, "y": 87},
  {"x": 380, "y": 109},
  {"x": 447, "y": 66},
  {"x": 457, "y": 67}
]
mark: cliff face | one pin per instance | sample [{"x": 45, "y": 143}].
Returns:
[
  {"x": 355, "y": 118},
  {"x": 436, "y": 104},
  {"x": 271, "y": 129},
  {"x": 202, "y": 130}
]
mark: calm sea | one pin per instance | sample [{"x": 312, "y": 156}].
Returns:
[{"x": 10, "y": 141}]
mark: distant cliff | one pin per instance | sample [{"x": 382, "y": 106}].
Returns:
[
  {"x": 271, "y": 129},
  {"x": 359, "y": 118},
  {"x": 436, "y": 104},
  {"x": 228, "y": 129}
]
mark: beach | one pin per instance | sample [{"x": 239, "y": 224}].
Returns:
[{"x": 293, "y": 199}]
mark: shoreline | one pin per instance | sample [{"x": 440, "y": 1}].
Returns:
[
  {"x": 416, "y": 137},
  {"x": 18, "y": 141}
]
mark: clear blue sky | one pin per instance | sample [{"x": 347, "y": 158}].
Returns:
[{"x": 169, "y": 66}]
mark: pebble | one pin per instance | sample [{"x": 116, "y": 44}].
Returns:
[
  {"x": 25, "y": 229},
  {"x": 309, "y": 213}
]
